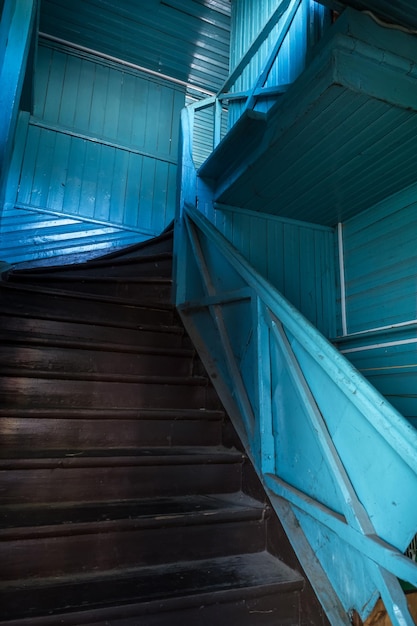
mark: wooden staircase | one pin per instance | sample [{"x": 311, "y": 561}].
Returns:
[{"x": 125, "y": 497}]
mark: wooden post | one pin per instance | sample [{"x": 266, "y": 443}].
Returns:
[{"x": 17, "y": 24}]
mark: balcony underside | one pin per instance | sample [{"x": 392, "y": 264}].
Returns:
[{"x": 322, "y": 154}]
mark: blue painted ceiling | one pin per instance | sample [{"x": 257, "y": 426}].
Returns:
[{"x": 187, "y": 40}]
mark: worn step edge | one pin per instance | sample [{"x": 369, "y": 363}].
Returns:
[
  {"x": 78, "y": 295},
  {"x": 97, "y": 346},
  {"x": 222, "y": 592},
  {"x": 91, "y": 265},
  {"x": 246, "y": 510},
  {"x": 106, "y": 280},
  {"x": 50, "y": 317},
  {"x": 119, "y": 414},
  {"x": 119, "y": 457},
  {"x": 190, "y": 381}
]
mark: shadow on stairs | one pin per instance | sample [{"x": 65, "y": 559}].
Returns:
[{"x": 126, "y": 498}]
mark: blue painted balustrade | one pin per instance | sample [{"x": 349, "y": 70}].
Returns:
[{"x": 335, "y": 452}]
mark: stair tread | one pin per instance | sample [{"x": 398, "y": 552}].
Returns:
[
  {"x": 99, "y": 457},
  {"x": 249, "y": 573},
  {"x": 49, "y": 318},
  {"x": 8, "y": 338},
  {"x": 92, "y": 264},
  {"x": 122, "y": 413},
  {"x": 78, "y": 295},
  {"x": 24, "y": 520},
  {"x": 162, "y": 280},
  {"x": 191, "y": 381}
]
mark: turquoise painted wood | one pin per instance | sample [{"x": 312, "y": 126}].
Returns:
[
  {"x": 337, "y": 456},
  {"x": 295, "y": 257},
  {"x": 283, "y": 52},
  {"x": 314, "y": 457},
  {"x": 16, "y": 31},
  {"x": 100, "y": 146},
  {"x": 379, "y": 301},
  {"x": 322, "y": 156}
]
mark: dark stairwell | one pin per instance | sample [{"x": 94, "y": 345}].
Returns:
[{"x": 126, "y": 498}]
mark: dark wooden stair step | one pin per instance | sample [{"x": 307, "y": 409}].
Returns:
[
  {"x": 162, "y": 591},
  {"x": 55, "y": 390},
  {"x": 76, "y": 539},
  {"x": 49, "y": 328},
  {"x": 149, "y": 265},
  {"x": 129, "y": 288},
  {"x": 46, "y": 476},
  {"x": 66, "y": 356},
  {"x": 162, "y": 243},
  {"x": 37, "y": 428},
  {"x": 71, "y": 306}
]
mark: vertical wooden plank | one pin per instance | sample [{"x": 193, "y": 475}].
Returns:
[
  {"x": 126, "y": 110},
  {"x": 133, "y": 186},
  {"x": 164, "y": 125},
  {"x": 275, "y": 242},
  {"x": 178, "y": 104},
  {"x": 84, "y": 95},
  {"x": 76, "y": 158},
  {"x": 42, "y": 172},
  {"x": 56, "y": 193},
  {"x": 153, "y": 117},
  {"x": 118, "y": 195},
  {"x": 140, "y": 113},
  {"x": 112, "y": 107},
  {"x": 105, "y": 180},
  {"x": 258, "y": 248},
  {"x": 171, "y": 194},
  {"x": 160, "y": 196},
  {"x": 69, "y": 95},
  {"x": 308, "y": 289},
  {"x": 87, "y": 200},
  {"x": 53, "y": 95},
  {"x": 98, "y": 101},
  {"x": 43, "y": 65},
  {"x": 146, "y": 193},
  {"x": 292, "y": 264}
]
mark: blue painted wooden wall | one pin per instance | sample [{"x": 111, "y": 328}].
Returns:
[
  {"x": 101, "y": 147},
  {"x": 296, "y": 257},
  {"x": 248, "y": 19},
  {"x": 379, "y": 267}
]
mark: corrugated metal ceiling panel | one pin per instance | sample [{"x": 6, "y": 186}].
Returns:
[{"x": 183, "y": 39}]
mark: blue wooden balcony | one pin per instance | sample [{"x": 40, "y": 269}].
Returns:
[{"x": 321, "y": 157}]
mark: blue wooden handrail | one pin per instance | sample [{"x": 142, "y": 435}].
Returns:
[{"x": 338, "y": 460}]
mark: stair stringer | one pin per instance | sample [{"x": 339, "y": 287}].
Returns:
[{"x": 348, "y": 536}]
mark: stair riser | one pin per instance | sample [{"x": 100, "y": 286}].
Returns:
[
  {"x": 26, "y": 327},
  {"x": 103, "y": 551},
  {"x": 98, "y": 361},
  {"x": 30, "y": 434},
  {"x": 116, "y": 289},
  {"x": 100, "y": 311},
  {"x": 96, "y": 484},
  {"x": 28, "y": 393}
]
